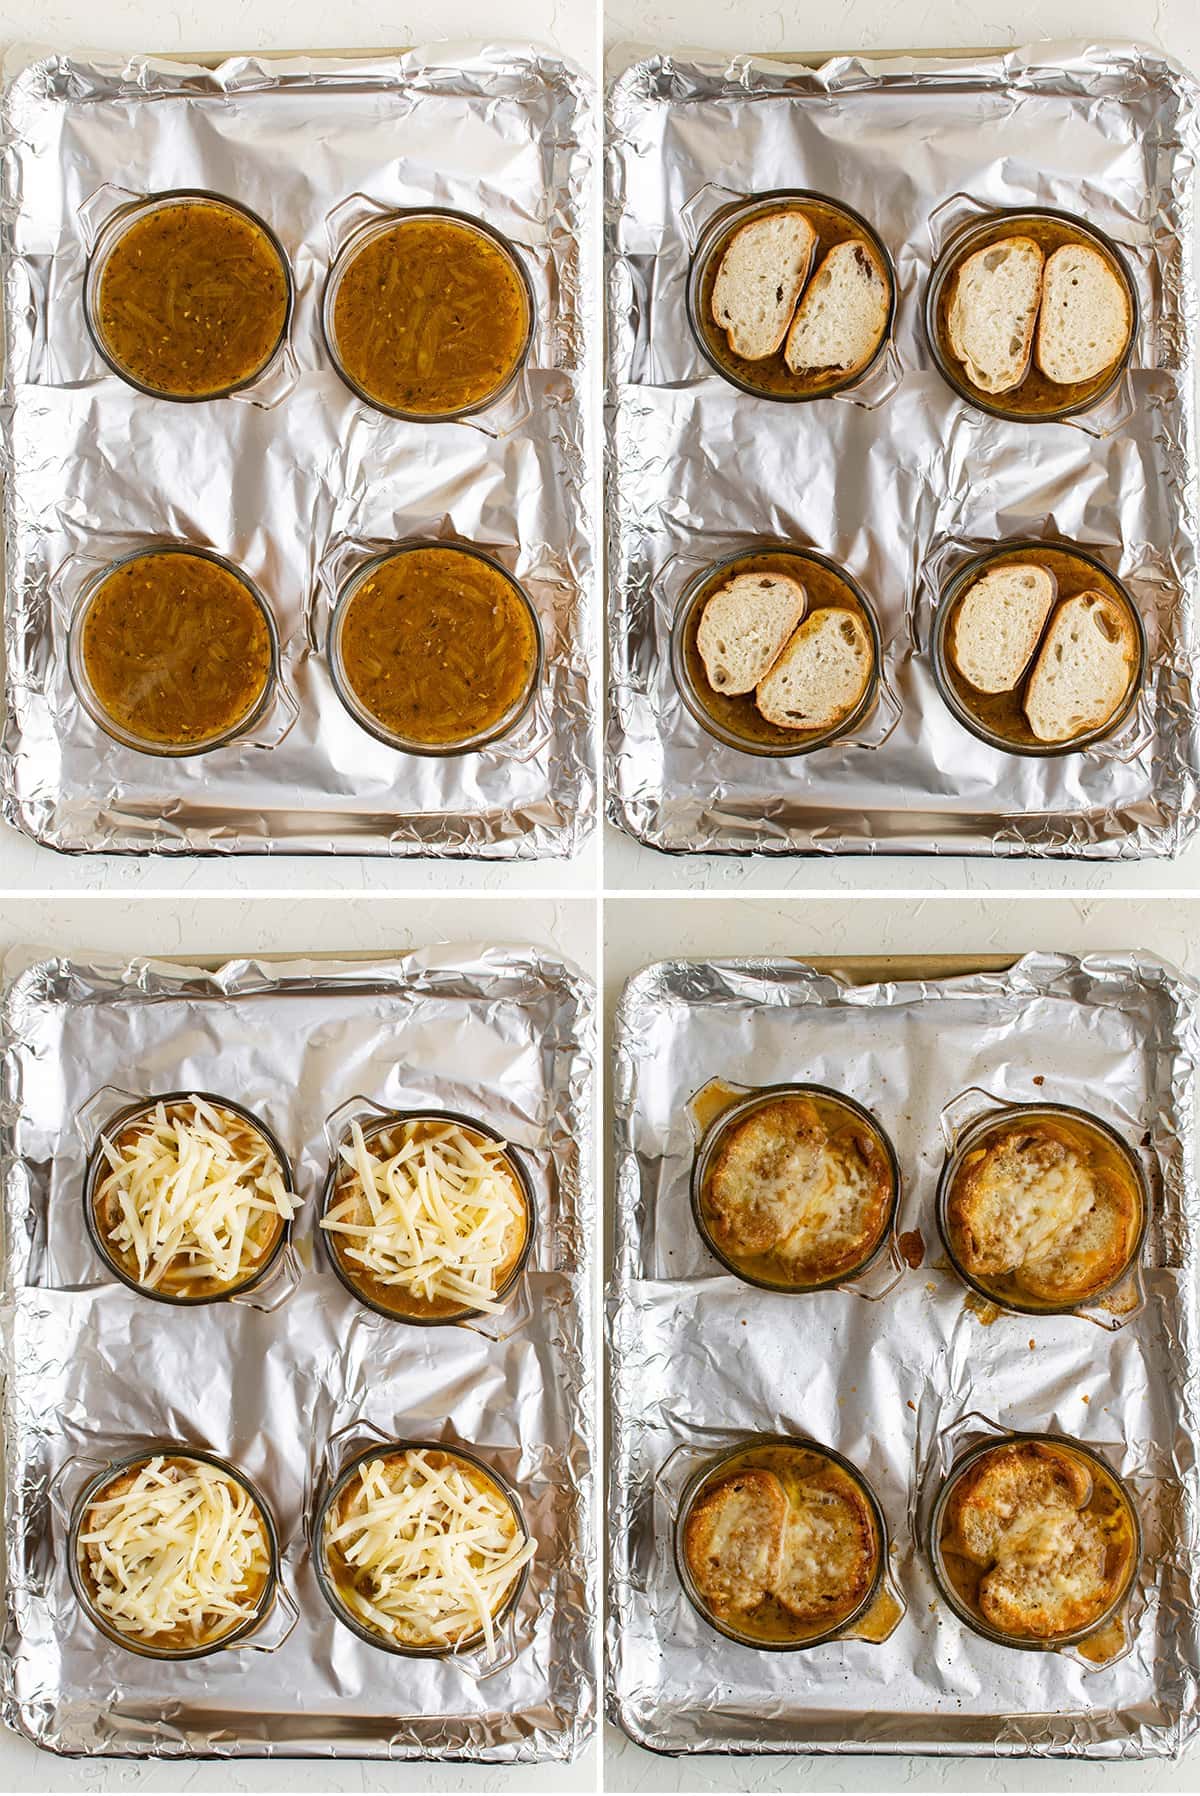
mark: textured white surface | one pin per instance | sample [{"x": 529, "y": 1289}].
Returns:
[
  {"x": 236, "y": 926},
  {"x": 569, "y": 26},
  {"x": 638, "y": 932},
  {"x": 848, "y": 25}
]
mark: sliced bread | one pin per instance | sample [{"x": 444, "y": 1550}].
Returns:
[
  {"x": 844, "y": 311},
  {"x": 999, "y": 624},
  {"x": 1086, "y": 316},
  {"x": 761, "y": 276},
  {"x": 822, "y": 673},
  {"x": 993, "y": 311},
  {"x": 1083, "y": 671},
  {"x": 744, "y": 628}
]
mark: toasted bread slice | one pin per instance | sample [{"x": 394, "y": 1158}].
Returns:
[
  {"x": 733, "y": 1539},
  {"x": 993, "y": 311},
  {"x": 762, "y": 1175},
  {"x": 996, "y": 1499},
  {"x": 844, "y": 1211},
  {"x": 1081, "y": 677},
  {"x": 1085, "y": 319},
  {"x": 822, "y": 673},
  {"x": 999, "y": 623},
  {"x": 1015, "y": 1199},
  {"x": 1056, "y": 1582},
  {"x": 745, "y": 626},
  {"x": 1090, "y": 1256},
  {"x": 844, "y": 311},
  {"x": 828, "y": 1550},
  {"x": 759, "y": 281}
]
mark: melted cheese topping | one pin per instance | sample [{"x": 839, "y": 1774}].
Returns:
[
  {"x": 1038, "y": 1201},
  {"x": 441, "y": 1216},
  {"x": 834, "y": 1204},
  {"x": 428, "y": 1549},
  {"x": 190, "y": 1186},
  {"x": 181, "y": 1550}
]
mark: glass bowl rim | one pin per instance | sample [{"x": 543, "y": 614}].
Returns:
[{"x": 107, "y": 239}]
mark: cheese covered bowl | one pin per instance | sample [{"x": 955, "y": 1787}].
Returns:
[
  {"x": 795, "y": 1188},
  {"x": 173, "y": 1553},
  {"x": 421, "y": 1549},
  {"x": 1042, "y": 1208},
  {"x": 428, "y": 1216},
  {"x": 781, "y": 1544},
  {"x": 188, "y": 1198},
  {"x": 1035, "y": 1542}
]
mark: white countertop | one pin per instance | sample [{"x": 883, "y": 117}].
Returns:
[
  {"x": 637, "y": 933},
  {"x": 233, "y": 926}
]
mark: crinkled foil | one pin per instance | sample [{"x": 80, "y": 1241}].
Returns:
[
  {"x": 502, "y": 132},
  {"x": 698, "y": 1357},
  {"x": 694, "y": 466},
  {"x": 502, "y": 1034}
]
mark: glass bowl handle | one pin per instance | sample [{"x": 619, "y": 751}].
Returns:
[
  {"x": 337, "y": 1123},
  {"x": 880, "y": 724},
  {"x": 696, "y": 212},
  {"x": 100, "y": 205},
  {"x": 281, "y": 1282},
  {"x": 277, "y": 1626},
  {"x": 965, "y": 1109},
  {"x": 103, "y": 1104}
]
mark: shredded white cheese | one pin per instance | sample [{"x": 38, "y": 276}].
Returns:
[
  {"x": 439, "y": 1217},
  {"x": 186, "y": 1193},
  {"x": 424, "y": 1553},
  {"x": 182, "y": 1551}
]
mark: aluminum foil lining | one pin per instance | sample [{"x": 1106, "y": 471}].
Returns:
[
  {"x": 698, "y": 1358},
  {"x": 898, "y": 487},
  {"x": 281, "y": 480},
  {"x": 503, "y": 1034}
]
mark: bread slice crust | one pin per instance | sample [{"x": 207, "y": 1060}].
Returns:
[
  {"x": 1082, "y": 676},
  {"x": 993, "y": 312},
  {"x": 844, "y": 312},
  {"x": 745, "y": 627},
  {"x": 998, "y": 623},
  {"x": 759, "y": 281},
  {"x": 829, "y": 1553},
  {"x": 733, "y": 1540},
  {"x": 763, "y": 1173},
  {"x": 1086, "y": 317},
  {"x": 822, "y": 674}
]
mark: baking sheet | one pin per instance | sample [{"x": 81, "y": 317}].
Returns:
[
  {"x": 502, "y": 1034},
  {"x": 888, "y": 1383},
  {"x": 898, "y": 493},
  {"x": 93, "y": 467}
]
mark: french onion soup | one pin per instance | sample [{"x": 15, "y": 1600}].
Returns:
[
  {"x": 796, "y": 1189},
  {"x": 189, "y": 1200},
  {"x": 173, "y": 1554},
  {"x": 427, "y": 1219},
  {"x": 175, "y": 651},
  {"x": 193, "y": 297},
  {"x": 775, "y": 651},
  {"x": 1042, "y": 1209},
  {"x": 430, "y": 316},
  {"x": 1032, "y": 314},
  {"x": 422, "y": 1550},
  {"x": 1037, "y": 1540},
  {"x": 436, "y": 648},
  {"x": 1038, "y": 647},
  {"x": 780, "y": 1544},
  {"x": 791, "y": 296}
]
